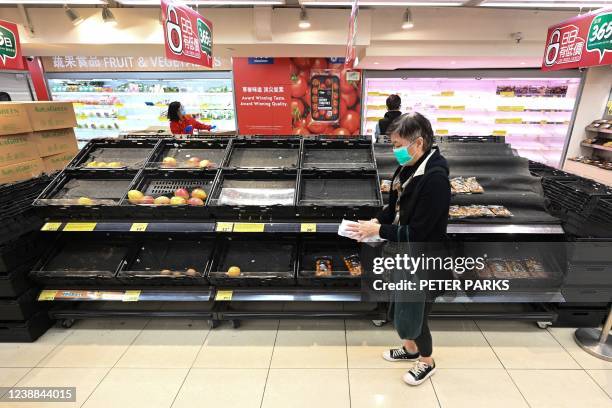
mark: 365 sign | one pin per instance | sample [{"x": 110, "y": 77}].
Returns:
[
  {"x": 188, "y": 35},
  {"x": 10, "y": 49},
  {"x": 581, "y": 41}
]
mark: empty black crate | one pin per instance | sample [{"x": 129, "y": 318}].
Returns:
[
  {"x": 339, "y": 193},
  {"x": 262, "y": 262},
  {"x": 25, "y": 331},
  {"x": 91, "y": 260},
  {"x": 15, "y": 282},
  {"x": 169, "y": 261},
  {"x": 251, "y": 153},
  {"x": 21, "y": 308},
  {"x": 254, "y": 192},
  {"x": 114, "y": 153},
  {"x": 157, "y": 183},
  {"x": 335, "y": 250},
  {"x": 338, "y": 154},
  {"x": 189, "y": 154}
]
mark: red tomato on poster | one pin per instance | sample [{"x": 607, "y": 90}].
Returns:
[{"x": 187, "y": 35}]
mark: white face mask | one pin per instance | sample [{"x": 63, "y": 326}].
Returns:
[{"x": 182, "y": 111}]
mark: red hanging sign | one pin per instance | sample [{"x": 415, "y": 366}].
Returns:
[
  {"x": 581, "y": 41},
  {"x": 187, "y": 35},
  {"x": 10, "y": 48}
]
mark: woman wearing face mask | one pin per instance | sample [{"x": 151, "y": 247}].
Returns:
[
  {"x": 181, "y": 123},
  {"x": 417, "y": 212}
]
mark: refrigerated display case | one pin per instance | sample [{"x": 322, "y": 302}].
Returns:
[
  {"x": 533, "y": 110},
  {"x": 17, "y": 84},
  {"x": 107, "y": 104}
]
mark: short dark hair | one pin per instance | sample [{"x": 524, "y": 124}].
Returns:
[
  {"x": 394, "y": 102},
  {"x": 412, "y": 125},
  {"x": 173, "y": 110}
]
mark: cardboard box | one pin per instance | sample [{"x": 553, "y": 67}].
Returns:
[
  {"x": 50, "y": 115},
  {"x": 51, "y": 142},
  {"x": 17, "y": 149},
  {"x": 58, "y": 161},
  {"x": 14, "y": 119},
  {"x": 21, "y": 171}
]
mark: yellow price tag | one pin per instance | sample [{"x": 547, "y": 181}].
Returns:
[
  {"x": 248, "y": 227},
  {"x": 543, "y": 122},
  {"x": 458, "y": 108},
  {"x": 47, "y": 295},
  {"x": 455, "y": 120},
  {"x": 79, "y": 226},
  {"x": 444, "y": 107},
  {"x": 504, "y": 108},
  {"x": 499, "y": 133},
  {"x": 51, "y": 226},
  {"x": 507, "y": 93},
  {"x": 139, "y": 226},
  {"x": 122, "y": 117},
  {"x": 509, "y": 120},
  {"x": 119, "y": 105},
  {"x": 517, "y": 108},
  {"x": 225, "y": 226},
  {"x": 308, "y": 227},
  {"x": 442, "y": 132},
  {"x": 131, "y": 296},
  {"x": 224, "y": 295},
  {"x": 447, "y": 93}
]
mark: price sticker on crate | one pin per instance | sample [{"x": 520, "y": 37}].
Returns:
[
  {"x": 305, "y": 227},
  {"x": 51, "y": 226},
  {"x": 224, "y": 295},
  {"x": 139, "y": 226},
  {"x": 249, "y": 227},
  {"x": 131, "y": 296},
  {"x": 47, "y": 295},
  {"x": 224, "y": 227},
  {"x": 79, "y": 226}
]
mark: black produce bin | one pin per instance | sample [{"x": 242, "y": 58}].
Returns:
[
  {"x": 269, "y": 261},
  {"x": 183, "y": 150},
  {"x": 166, "y": 261},
  {"x": 332, "y": 193},
  {"x": 124, "y": 154},
  {"x": 91, "y": 260},
  {"x": 334, "y": 249},
  {"x": 104, "y": 188},
  {"x": 254, "y": 193},
  {"x": 26, "y": 331},
  {"x": 264, "y": 154},
  {"x": 338, "y": 154},
  {"x": 158, "y": 183},
  {"x": 24, "y": 249},
  {"x": 22, "y": 308},
  {"x": 15, "y": 282}
]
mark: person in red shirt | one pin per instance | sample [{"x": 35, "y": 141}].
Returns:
[{"x": 181, "y": 123}]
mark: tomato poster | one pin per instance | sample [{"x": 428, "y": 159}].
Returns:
[
  {"x": 300, "y": 96},
  {"x": 10, "y": 48},
  {"x": 581, "y": 41},
  {"x": 187, "y": 35}
]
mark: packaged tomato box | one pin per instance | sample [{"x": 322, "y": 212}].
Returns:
[{"x": 325, "y": 96}]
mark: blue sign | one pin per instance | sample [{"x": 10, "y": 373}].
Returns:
[
  {"x": 336, "y": 60},
  {"x": 261, "y": 60}
]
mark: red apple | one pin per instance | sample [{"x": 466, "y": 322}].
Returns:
[
  {"x": 193, "y": 162},
  {"x": 181, "y": 192},
  {"x": 147, "y": 200},
  {"x": 195, "y": 201}
]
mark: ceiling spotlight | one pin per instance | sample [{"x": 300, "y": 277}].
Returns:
[
  {"x": 304, "y": 22},
  {"x": 108, "y": 16},
  {"x": 73, "y": 16},
  {"x": 407, "y": 23}
]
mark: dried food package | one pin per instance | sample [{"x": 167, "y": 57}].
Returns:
[
  {"x": 353, "y": 264},
  {"x": 536, "y": 268},
  {"x": 323, "y": 267},
  {"x": 458, "y": 186},
  {"x": 500, "y": 211},
  {"x": 473, "y": 185},
  {"x": 457, "y": 212},
  {"x": 517, "y": 270},
  {"x": 499, "y": 268}
]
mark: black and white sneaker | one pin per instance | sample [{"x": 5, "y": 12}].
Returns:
[
  {"x": 400, "y": 354},
  {"x": 419, "y": 373}
]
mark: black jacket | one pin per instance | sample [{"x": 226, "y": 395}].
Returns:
[
  {"x": 385, "y": 122},
  {"x": 429, "y": 218}
]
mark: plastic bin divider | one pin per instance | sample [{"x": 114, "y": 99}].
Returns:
[
  {"x": 165, "y": 143},
  {"x": 78, "y": 160}
]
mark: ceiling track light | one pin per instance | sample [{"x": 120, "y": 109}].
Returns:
[
  {"x": 407, "y": 22},
  {"x": 304, "y": 22},
  {"x": 108, "y": 16},
  {"x": 73, "y": 16}
]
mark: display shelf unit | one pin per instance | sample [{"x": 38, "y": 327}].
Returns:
[{"x": 597, "y": 147}]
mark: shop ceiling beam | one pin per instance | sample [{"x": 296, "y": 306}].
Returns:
[
  {"x": 473, "y": 3},
  {"x": 262, "y": 22},
  {"x": 26, "y": 19}
]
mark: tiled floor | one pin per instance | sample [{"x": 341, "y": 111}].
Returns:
[{"x": 322, "y": 363}]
